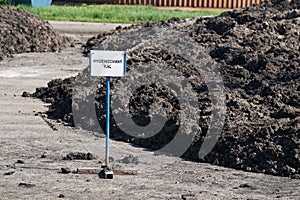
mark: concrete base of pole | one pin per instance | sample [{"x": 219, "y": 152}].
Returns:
[{"x": 106, "y": 172}]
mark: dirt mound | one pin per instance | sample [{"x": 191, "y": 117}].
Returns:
[
  {"x": 22, "y": 32},
  {"x": 258, "y": 51}
]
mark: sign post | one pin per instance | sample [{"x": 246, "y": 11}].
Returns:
[
  {"x": 107, "y": 123},
  {"x": 108, "y": 64}
]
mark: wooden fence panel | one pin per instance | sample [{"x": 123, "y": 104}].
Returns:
[
  {"x": 180, "y": 3},
  {"x": 233, "y": 3}
]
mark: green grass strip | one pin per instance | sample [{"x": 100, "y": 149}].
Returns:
[{"x": 112, "y": 13}]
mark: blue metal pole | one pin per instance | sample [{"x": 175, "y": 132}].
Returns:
[{"x": 107, "y": 120}]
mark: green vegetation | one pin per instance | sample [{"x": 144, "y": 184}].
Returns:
[
  {"x": 5, "y": 2},
  {"x": 110, "y": 13}
]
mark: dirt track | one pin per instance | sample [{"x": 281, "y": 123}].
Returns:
[{"x": 32, "y": 139}]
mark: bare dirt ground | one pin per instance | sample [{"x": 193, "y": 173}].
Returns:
[{"x": 32, "y": 149}]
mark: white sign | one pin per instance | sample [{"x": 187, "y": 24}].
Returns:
[{"x": 107, "y": 63}]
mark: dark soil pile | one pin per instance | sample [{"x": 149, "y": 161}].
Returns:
[
  {"x": 258, "y": 50},
  {"x": 79, "y": 156},
  {"x": 22, "y": 32}
]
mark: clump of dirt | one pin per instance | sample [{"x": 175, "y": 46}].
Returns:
[
  {"x": 79, "y": 156},
  {"x": 22, "y": 32},
  {"x": 258, "y": 52},
  {"x": 59, "y": 94}
]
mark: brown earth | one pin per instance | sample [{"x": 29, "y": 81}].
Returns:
[
  {"x": 23, "y": 32},
  {"x": 34, "y": 148},
  {"x": 258, "y": 52}
]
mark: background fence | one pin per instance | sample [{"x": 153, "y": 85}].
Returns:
[
  {"x": 177, "y": 3},
  {"x": 194, "y": 3}
]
